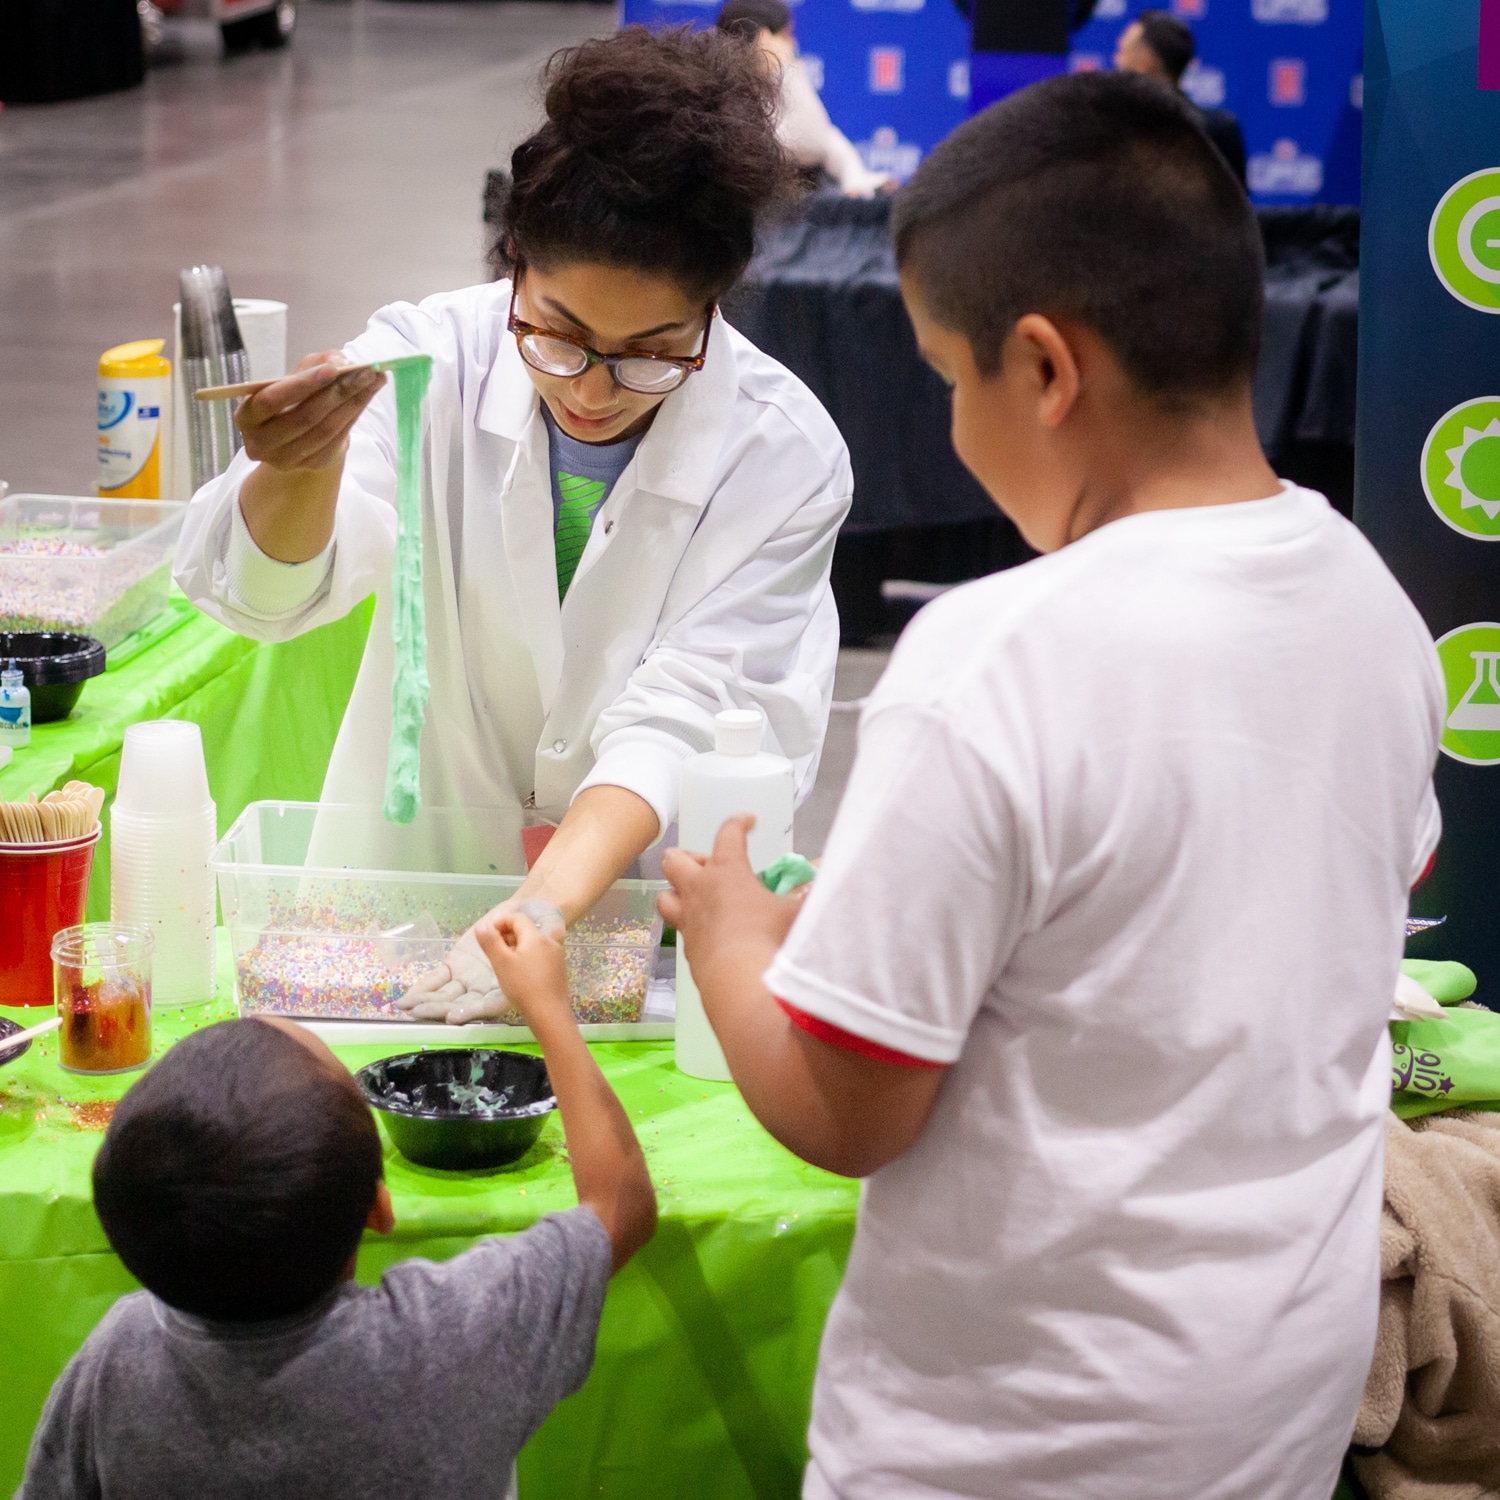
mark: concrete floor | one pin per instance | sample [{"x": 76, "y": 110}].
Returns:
[{"x": 336, "y": 176}]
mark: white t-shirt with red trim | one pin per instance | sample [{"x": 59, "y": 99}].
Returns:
[{"x": 1127, "y": 843}]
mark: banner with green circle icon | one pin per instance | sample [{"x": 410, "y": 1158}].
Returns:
[
  {"x": 1461, "y": 468},
  {"x": 1471, "y": 669},
  {"x": 1463, "y": 240}
]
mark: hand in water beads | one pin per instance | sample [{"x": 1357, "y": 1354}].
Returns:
[{"x": 464, "y": 987}]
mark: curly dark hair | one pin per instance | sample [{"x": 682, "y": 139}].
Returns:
[{"x": 659, "y": 154}]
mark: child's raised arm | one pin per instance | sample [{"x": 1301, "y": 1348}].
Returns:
[{"x": 609, "y": 1170}]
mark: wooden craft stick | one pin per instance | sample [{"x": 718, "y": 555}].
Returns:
[
  {"x": 68, "y": 813},
  {"x": 251, "y": 387}
]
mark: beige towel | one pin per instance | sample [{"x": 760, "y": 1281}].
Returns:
[{"x": 1432, "y": 1402}]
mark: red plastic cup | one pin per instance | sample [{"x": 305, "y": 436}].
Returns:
[{"x": 43, "y": 888}]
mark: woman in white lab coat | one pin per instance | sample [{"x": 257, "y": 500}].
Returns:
[{"x": 628, "y": 510}]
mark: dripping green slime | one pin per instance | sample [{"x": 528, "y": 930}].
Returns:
[{"x": 409, "y": 685}]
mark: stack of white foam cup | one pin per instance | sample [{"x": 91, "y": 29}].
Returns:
[{"x": 161, "y": 833}]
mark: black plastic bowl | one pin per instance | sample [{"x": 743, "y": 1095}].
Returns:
[
  {"x": 54, "y": 666},
  {"x": 462, "y": 1107},
  {"x": 10, "y": 1028}
]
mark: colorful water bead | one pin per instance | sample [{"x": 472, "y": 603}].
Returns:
[
  {"x": 346, "y": 977},
  {"x": 66, "y": 599}
]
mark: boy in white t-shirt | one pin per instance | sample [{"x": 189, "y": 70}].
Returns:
[{"x": 1092, "y": 985}]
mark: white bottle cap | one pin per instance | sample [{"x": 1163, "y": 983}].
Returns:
[{"x": 738, "y": 731}]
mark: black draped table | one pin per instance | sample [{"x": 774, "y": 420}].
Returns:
[{"x": 822, "y": 297}]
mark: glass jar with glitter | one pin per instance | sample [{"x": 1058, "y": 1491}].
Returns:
[{"x": 102, "y": 977}]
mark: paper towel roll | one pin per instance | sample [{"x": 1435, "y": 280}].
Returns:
[{"x": 263, "y": 328}]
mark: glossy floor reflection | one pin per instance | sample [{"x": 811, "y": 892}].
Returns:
[{"x": 338, "y": 175}]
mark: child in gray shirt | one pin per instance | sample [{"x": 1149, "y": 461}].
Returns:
[{"x": 234, "y": 1182}]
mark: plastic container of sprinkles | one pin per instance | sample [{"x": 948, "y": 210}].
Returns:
[
  {"x": 85, "y": 565},
  {"x": 333, "y": 913}
]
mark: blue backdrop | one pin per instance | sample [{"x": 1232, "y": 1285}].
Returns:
[
  {"x": 1291, "y": 71},
  {"x": 894, "y": 74},
  {"x": 895, "y": 77}
]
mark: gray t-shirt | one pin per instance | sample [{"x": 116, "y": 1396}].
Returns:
[{"x": 426, "y": 1385}]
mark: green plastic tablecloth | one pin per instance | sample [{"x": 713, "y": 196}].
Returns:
[
  {"x": 703, "y": 1377},
  {"x": 269, "y": 714}
]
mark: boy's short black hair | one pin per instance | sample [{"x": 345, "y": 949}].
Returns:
[
  {"x": 1170, "y": 39},
  {"x": 237, "y": 1175},
  {"x": 1095, "y": 197},
  {"x": 748, "y": 18}
]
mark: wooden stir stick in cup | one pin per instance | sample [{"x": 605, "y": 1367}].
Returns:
[{"x": 71, "y": 813}]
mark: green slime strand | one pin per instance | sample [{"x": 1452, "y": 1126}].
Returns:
[
  {"x": 409, "y": 685},
  {"x": 787, "y": 873}
]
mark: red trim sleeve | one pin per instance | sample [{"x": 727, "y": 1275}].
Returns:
[
  {"x": 1426, "y": 869},
  {"x": 846, "y": 1041}
]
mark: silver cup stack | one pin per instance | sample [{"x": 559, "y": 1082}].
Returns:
[{"x": 213, "y": 353}]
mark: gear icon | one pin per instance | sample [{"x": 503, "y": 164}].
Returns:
[
  {"x": 1476, "y": 468},
  {"x": 1461, "y": 468}
]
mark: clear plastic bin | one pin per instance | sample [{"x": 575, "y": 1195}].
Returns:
[
  {"x": 84, "y": 564},
  {"x": 333, "y": 912}
]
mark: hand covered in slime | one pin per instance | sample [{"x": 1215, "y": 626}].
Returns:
[{"x": 464, "y": 986}]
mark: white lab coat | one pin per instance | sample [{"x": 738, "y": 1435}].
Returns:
[{"x": 704, "y": 584}]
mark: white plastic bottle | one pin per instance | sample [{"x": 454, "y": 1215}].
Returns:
[
  {"x": 15, "y": 708},
  {"x": 736, "y": 776}
]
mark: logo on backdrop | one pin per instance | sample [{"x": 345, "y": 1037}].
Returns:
[
  {"x": 887, "y": 70},
  {"x": 1085, "y": 62},
  {"x": 1289, "y": 12},
  {"x": 1287, "y": 82},
  {"x": 902, "y": 5},
  {"x": 1190, "y": 10},
  {"x": 885, "y": 151},
  {"x": 1470, "y": 657},
  {"x": 1204, "y": 85},
  {"x": 1461, "y": 468},
  {"x": 1286, "y": 170},
  {"x": 812, "y": 68},
  {"x": 1463, "y": 240},
  {"x": 958, "y": 78},
  {"x": 1109, "y": 10}
]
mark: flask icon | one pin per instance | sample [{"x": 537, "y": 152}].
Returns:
[{"x": 1479, "y": 708}]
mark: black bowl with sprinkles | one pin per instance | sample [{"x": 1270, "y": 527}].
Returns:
[{"x": 460, "y": 1108}]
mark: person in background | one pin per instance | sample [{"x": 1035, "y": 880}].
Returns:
[
  {"x": 811, "y": 139},
  {"x": 1161, "y": 46},
  {"x": 235, "y": 1182}
]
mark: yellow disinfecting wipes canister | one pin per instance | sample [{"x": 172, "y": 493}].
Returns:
[{"x": 133, "y": 384}]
